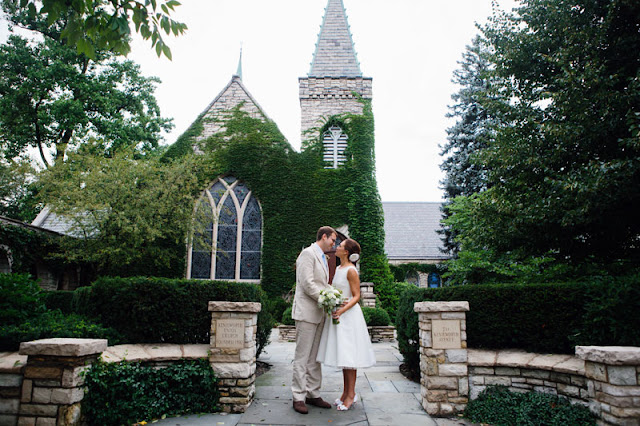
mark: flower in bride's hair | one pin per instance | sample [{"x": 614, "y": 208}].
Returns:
[{"x": 354, "y": 257}]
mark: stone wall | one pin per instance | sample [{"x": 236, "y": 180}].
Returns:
[
  {"x": 367, "y": 295},
  {"x": 221, "y": 108},
  {"x": 606, "y": 379},
  {"x": 562, "y": 375},
  {"x": 287, "y": 333},
  {"x": 11, "y": 376},
  {"x": 43, "y": 384},
  {"x": 327, "y": 96},
  {"x": 613, "y": 382}
]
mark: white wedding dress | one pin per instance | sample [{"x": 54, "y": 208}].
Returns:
[{"x": 346, "y": 345}]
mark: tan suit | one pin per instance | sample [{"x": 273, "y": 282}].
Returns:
[{"x": 312, "y": 275}]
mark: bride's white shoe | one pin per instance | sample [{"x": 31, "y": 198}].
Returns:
[
  {"x": 342, "y": 407},
  {"x": 337, "y": 402}
]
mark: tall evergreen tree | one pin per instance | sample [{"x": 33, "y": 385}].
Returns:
[
  {"x": 464, "y": 175},
  {"x": 563, "y": 170}
]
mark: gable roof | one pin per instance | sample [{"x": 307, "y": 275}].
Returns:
[
  {"x": 335, "y": 55},
  {"x": 411, "y": 231}
]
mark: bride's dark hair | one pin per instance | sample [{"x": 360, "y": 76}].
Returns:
[{"x": 352, "y": 247}]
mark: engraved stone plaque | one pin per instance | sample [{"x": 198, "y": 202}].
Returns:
[
  {"x": 230, "y": 333},
  {"x": 445, "y": 334}
]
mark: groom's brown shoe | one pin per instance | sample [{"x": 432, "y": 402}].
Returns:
[
  {"x": 300, "y": 407},
  {"x": 318, "y": 402}
]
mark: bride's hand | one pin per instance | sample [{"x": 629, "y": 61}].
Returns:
[{"x": 335, "y": 315}]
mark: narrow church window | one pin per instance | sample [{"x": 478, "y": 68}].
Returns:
[
  {"x": 227, "y": 241},
  {"x": 335, "y": 142}
]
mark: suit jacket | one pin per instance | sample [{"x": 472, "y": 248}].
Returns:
[{"x": 311, "y": 276}]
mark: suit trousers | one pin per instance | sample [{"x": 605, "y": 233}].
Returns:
[{"x": 307, "y": 372}]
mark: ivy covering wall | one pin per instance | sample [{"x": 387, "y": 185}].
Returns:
[
  {"x": 27, "y": 247},
  {"x": 296, "y": 193}
]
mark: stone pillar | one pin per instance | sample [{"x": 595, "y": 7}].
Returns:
[
  {"x": 233, "y": 352},
  {"x": 367, "y": 295},
  {"x": 613, "y": 382},
  {"x": 53, "y": 384},
  {"x": 444, "y": 382}
]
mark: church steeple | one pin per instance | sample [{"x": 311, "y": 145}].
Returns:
[
  {"x": 335, "y": 55},
  {"x": 239, "y": 70},
  {"x": 335, "y": 84}
]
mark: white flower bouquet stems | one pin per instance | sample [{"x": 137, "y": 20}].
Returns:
[{"x": 329, "y": 300}]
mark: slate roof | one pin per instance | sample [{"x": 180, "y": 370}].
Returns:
[
  {"x": 50, "y": 221},
  {"x": 411, "y": 231},
  {"x": 335, "y": 55}
]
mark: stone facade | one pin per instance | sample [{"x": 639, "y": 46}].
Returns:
[
  {"x": 233, "y": 352},
  {"x": 219, "y": 110},
  {"x": 322, "y": 97}
]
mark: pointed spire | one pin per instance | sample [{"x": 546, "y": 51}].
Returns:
[
  {"x": 239, "y": 70},
  {"x": 335, "y": 55}
]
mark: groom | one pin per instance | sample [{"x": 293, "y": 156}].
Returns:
[{"x": 312, "y": 275}]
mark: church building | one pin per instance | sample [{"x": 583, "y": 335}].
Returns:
[{"x": 263, "y": 201}]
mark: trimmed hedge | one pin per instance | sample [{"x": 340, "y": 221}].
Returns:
[
  {"x": 163, "y": 310},
  {"x": 127, "y": 393},
  {"x": 375, "y": 316},
  {"x": 55, "y": 324},
  {"x": 543, "y": 318},
  {"x": 24, "y": 315}
]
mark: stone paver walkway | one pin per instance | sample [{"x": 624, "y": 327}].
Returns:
[{"x": 386, "y": 396}]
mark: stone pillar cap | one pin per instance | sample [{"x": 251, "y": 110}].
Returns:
[
  {"x": 612, "y": 355},
  {"x": 63, "y": 347},
  {"x": 441, "y": 306},
  {"x": 234, "y": 306}
]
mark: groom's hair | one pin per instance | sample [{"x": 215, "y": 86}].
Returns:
[{"x": 325, "y": 230}]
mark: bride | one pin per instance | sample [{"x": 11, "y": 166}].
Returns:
[{"x": 347, "y": 345}]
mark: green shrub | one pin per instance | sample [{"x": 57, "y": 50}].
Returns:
[
  {"x": 164, "y": 310},
  {"x": 276, "y": 306},
  {"x": 59, "y": 299},
  {"x": 389, "y": 295},
  {"x": 498, "y": 406},
  {"x": 375, "y": 316},
  {"x": 286, "y": 317},
  {"x": 407, "y": 330},
  {"x": 20, "y": 299},
  {"x": 609, "y": 318},
  {"x": 54, "y": 324},
  {"x": 126, "y": 393},
  {"x": 543, "y": 318}
]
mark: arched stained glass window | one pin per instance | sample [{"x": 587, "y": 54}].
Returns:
[
  {"x": 334, "y": 141},
  {"x": 227, "y": 241}
]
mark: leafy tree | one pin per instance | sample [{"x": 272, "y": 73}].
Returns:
[
  {"x": 92, "y": 25},
  {"x": 563, "y": 168},
  {"x": 50, "y": 96},
  {"x": 125, "y": 213},
  {"x": 464, "y": 175},
  {"x": 18, "y": 190}
]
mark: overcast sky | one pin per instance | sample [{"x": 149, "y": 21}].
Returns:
[{"x": 409, "y": 48}]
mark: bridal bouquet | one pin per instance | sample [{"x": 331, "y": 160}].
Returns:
[{"x": 329, "y": 299}]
